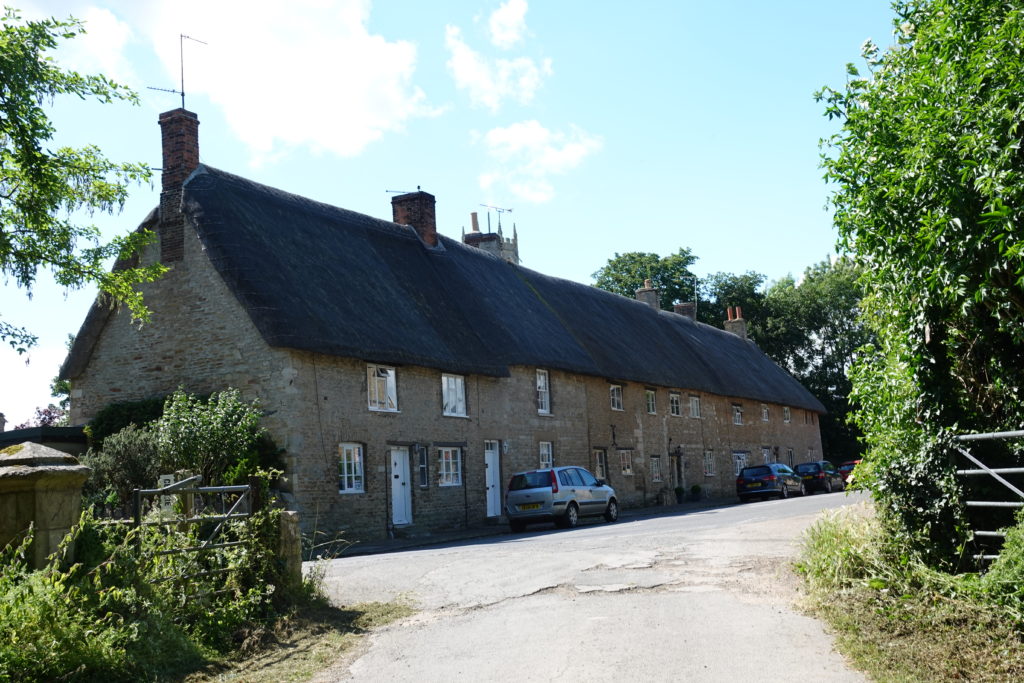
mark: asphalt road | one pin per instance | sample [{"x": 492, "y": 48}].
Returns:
[{"x": 706, "y": 596}]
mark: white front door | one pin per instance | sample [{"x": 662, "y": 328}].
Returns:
[
  {"x": 401, "y": 490},
  {"x": 492, "y": 465}
]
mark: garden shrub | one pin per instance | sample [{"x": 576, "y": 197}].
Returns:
[
  {"x": 116, "y": 416},
  {"x": 128, "y": 460}
]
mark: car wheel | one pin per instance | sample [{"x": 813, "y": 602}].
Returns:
[
  {"x": 828, "y": 486},
  {"x": 611, "y": 514},
  {"x": 572, "y": 516},
  {"x": 803, "y": 489},
  {"x": 784, "y": 492},
  {"x": 516, "y": 525}
]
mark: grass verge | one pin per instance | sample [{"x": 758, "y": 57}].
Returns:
[
  {"x": 898, "y": 620},
  {"x": 301, "y": 645}
]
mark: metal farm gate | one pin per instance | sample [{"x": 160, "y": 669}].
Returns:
[{"x": 990, "y": 538}]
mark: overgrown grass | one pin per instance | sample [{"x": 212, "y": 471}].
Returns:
[{"x": 898, "y": 619}]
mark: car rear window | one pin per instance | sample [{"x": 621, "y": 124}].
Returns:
[
  {"x": 756, "y": 471},
  {"x": 808, "y": 467},
  {"x": 530, "y": 480}
]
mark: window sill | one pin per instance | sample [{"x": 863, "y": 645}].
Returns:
[
  {"x": 464, "y": 417},
  {"x": 618, "y": 410},
  {"x": 543, "y": 414},
  {"x": 384, "y": 410},
  {"x": 350, "y": 492},
  {"x": 448, "y": 486}
]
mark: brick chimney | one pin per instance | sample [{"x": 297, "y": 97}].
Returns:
[
  {"x": 648, "y": 295},
  {"x": 3, "y": 422},
  {"x": 687, "y": 308},
  {"x": 736, "y": 324},
  {"x": 179, "y": 135},
  {"x": 417, "y": 209}
]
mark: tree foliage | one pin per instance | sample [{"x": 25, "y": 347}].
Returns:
[
  {"x": 720, "y": 291},
  {"x": 43, "y": 191},
  {"x": 670, "y": 275},
  {"x": 930, "y": 199}
]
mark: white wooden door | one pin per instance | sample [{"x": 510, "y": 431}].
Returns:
[
  {"x": 401, "y": 490},
  {"x": 492, "y": 466}
]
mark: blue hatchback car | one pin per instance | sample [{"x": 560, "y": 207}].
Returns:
[{"x": 771, "y": 479}]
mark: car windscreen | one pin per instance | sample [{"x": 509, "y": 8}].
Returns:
[
  {"x": 529, "y": 480},
  {"x": 751, "y": 472},
  {"x": 808, "y": 468}
]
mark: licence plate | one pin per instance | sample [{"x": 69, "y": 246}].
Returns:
[
  {"x": 530, "y": 506},
  {"x": 808, "y": 476},
  {"x": 754, "y": 485}
]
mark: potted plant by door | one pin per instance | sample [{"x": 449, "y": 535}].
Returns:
[
  {"x": 680, "y": 494},
  {"x": 695, "y": 492}
]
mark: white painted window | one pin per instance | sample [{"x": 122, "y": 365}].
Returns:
[
  {"x": 709, "y": 463},
  {"x": 546, "y": 454},
  {"x": 740, "y": 459},
  {"x": 601, "y": 463},
  {"x": 675, "y": 407},
  {"x": 453, "y": 394},
  {"x": 449, "y": 467},
  {"x": 764, "y": 412},
  {"x": 655, "y": 468},
  {"x": 787, "y": 415},
  {"x": 737, "y": 414},
  {"x": 423, "y": 467},
  {"x": 766, "y": 454},
  {"x": 789, "y": 454},
  {"x": 650, "y": 397},
  {"x": 381, "y": 390},
  {"x": 350, "y": 468},
  {"x": 626, "y": 461},
  {"x": 615, "y": 393},
  {"x": 543, "y": 393},
  {"x": 695, "y": 406}
]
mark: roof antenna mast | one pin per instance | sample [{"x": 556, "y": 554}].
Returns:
[{"x": 181, "y": 58}]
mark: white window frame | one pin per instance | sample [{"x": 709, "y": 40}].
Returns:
[
  {"x": 675, "y": 406},
  {"x": 695, "y": 407},
  {"x": 453, "y": 395},
  {"x": 740, "y": 460},
  {"x": 601, "y": 463},
  {"x": 626, "y": 462},
  {"x": 543, "y": 392},
  {"x": 423, "y": 466},
  {"x": 546, "y": 454},
  {"x": 449, "y": 466},
  {"x": 615, "y": 396},
  {"x": 656, "y": 469},
  {"x": 791, "y": 455},
  {"x": 766, "y": 454},
  {"x": 651, "y": 400},
  {"x": 787, "y": 414},
  {"x": 381, "y": 388},
  {"x": 764, "y": 412},
  {"x": 351, "y": 468},
  {"x": 709, "y": 463},
  {"x": 737, "y": 414}
]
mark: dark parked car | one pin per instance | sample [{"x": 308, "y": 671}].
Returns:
[
  {"x": 821, "y": 475},
  {"x": 846, "y": 469},
  {"x": 561, "y": 495},
  {"x": 772, "y": 479}
]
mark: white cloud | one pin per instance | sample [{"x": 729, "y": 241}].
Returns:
[
  {"x": 490, "y": 82},
  {"x": 309, "y": 75},
  {"x": 528, "y": 154},
  {"x": 508, "y": 23}
]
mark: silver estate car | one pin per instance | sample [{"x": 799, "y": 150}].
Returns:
[{"x": 559, "y": 494}]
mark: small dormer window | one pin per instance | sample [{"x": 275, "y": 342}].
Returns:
[
  {"x": 615, "y": 395},
  {"x": 381, "y": 388}
]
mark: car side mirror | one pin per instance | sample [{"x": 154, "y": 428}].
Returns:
[{"x": 601, "y": 482}]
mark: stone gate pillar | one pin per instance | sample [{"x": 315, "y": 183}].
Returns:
[{"x": 39, "y": 486}]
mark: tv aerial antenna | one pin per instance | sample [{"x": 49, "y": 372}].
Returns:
[
  {"x": 181, "y": 58},
  {"x": 499, "y": 211}
]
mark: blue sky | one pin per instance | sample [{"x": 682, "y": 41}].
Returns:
[{"x": 604, "y": 127}]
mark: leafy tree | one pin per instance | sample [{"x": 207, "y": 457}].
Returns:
[
  {"x": 720, "y": 291},
  {"x": 50, "y": 416},
  {"x": 670, "y": 275},
  {"x": 209, "y": 437},
  {"x": 43, "y": 191},
  {"x": 929, "y": 198}
]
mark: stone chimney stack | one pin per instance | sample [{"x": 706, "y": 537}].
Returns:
[
  {"x": 736, "y": 324},
  {"x": 649, "y": 295},
  {"x": 417, "y": 209},
  {"x": 687, "y": 308},
  {"x": 179, "y": 134},
  {"x": 3, "y": 422}
]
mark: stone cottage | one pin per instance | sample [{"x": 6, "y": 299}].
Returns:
[{"x": 407, "y": 374}]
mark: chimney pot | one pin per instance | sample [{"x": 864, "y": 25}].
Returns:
[
  {"x": 475, "y": 221},
  {"x": 648, "y": 295},
  {"x": 417, "y": 209}
]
